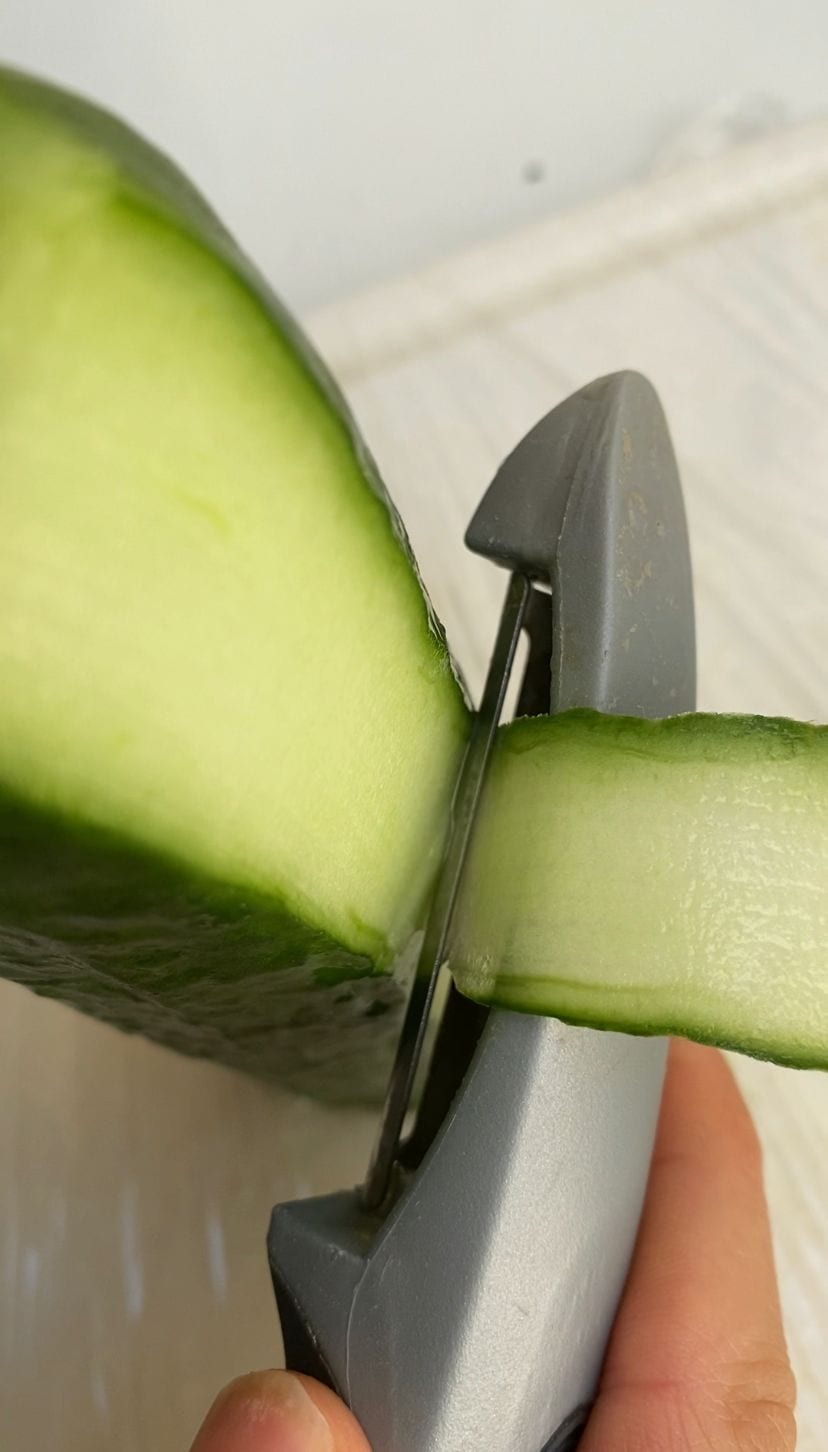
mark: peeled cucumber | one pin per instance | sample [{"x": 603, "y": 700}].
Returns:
[
  {"x": 655, "y": 876},
  {"x": 230, "y": 727}
]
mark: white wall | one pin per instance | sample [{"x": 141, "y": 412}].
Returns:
[{"x": 344, "y": 140}]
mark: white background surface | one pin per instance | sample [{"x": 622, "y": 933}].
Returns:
[
  {"x": 346, "y": 140},
  {"x": 135, "y": 1185}
]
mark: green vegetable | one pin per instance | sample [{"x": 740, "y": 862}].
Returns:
[
  {"x": 656, "y": 876},
  {"x": 229, "y": 726}
]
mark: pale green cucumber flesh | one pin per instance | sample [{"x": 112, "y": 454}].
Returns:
[
  {"x": 657, "y": 877},
  {"x": 215, "y": 654}
]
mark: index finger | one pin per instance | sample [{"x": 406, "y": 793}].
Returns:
[{"x": 697, "y": 1357}]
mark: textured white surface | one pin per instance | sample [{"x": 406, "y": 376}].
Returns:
[
  {"x": 344, "y": 142},
  {"x": 135, "y": 1186}
]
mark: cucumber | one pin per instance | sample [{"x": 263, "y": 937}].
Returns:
[
  {"x": 229, "y": 725},
  {"x": 655, "y": 876}
]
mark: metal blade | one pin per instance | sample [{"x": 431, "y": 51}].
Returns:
[{"x": 380, "y": 1174}]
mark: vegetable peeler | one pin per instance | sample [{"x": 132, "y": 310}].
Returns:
[{"x": 462, "y": 1297}]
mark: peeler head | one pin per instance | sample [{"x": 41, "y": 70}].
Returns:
[
  {"x": 590, "y": 504},
  {"x": 519, "y": 519}
]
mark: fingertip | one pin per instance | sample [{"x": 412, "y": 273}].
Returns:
[
  {"x": 701, "y": 1302},
  {"x": 703, "y": 1111},
  {"x": 347, "y": 1433},
  {"x": 278, "y": 1411}
]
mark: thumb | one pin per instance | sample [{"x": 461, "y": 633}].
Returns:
[{"x": 278, "y": 1411}]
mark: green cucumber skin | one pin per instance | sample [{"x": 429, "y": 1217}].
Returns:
[
  {"x": 551, "y": 967},
  {"x": 142, "y": 943},
  {"x": 547, "y": 999},
  {"x": 693, "y": 735}
]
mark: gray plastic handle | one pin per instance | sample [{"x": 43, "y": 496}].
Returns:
[{"x": 475, "y": 1315}]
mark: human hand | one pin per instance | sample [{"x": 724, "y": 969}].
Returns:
[{"x": 697, "y": 1359}]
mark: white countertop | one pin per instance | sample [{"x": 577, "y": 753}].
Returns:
[{"x": 136, "y": 1185}]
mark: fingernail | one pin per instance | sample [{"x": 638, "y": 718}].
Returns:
[{"x": 265, "y": 1412}]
